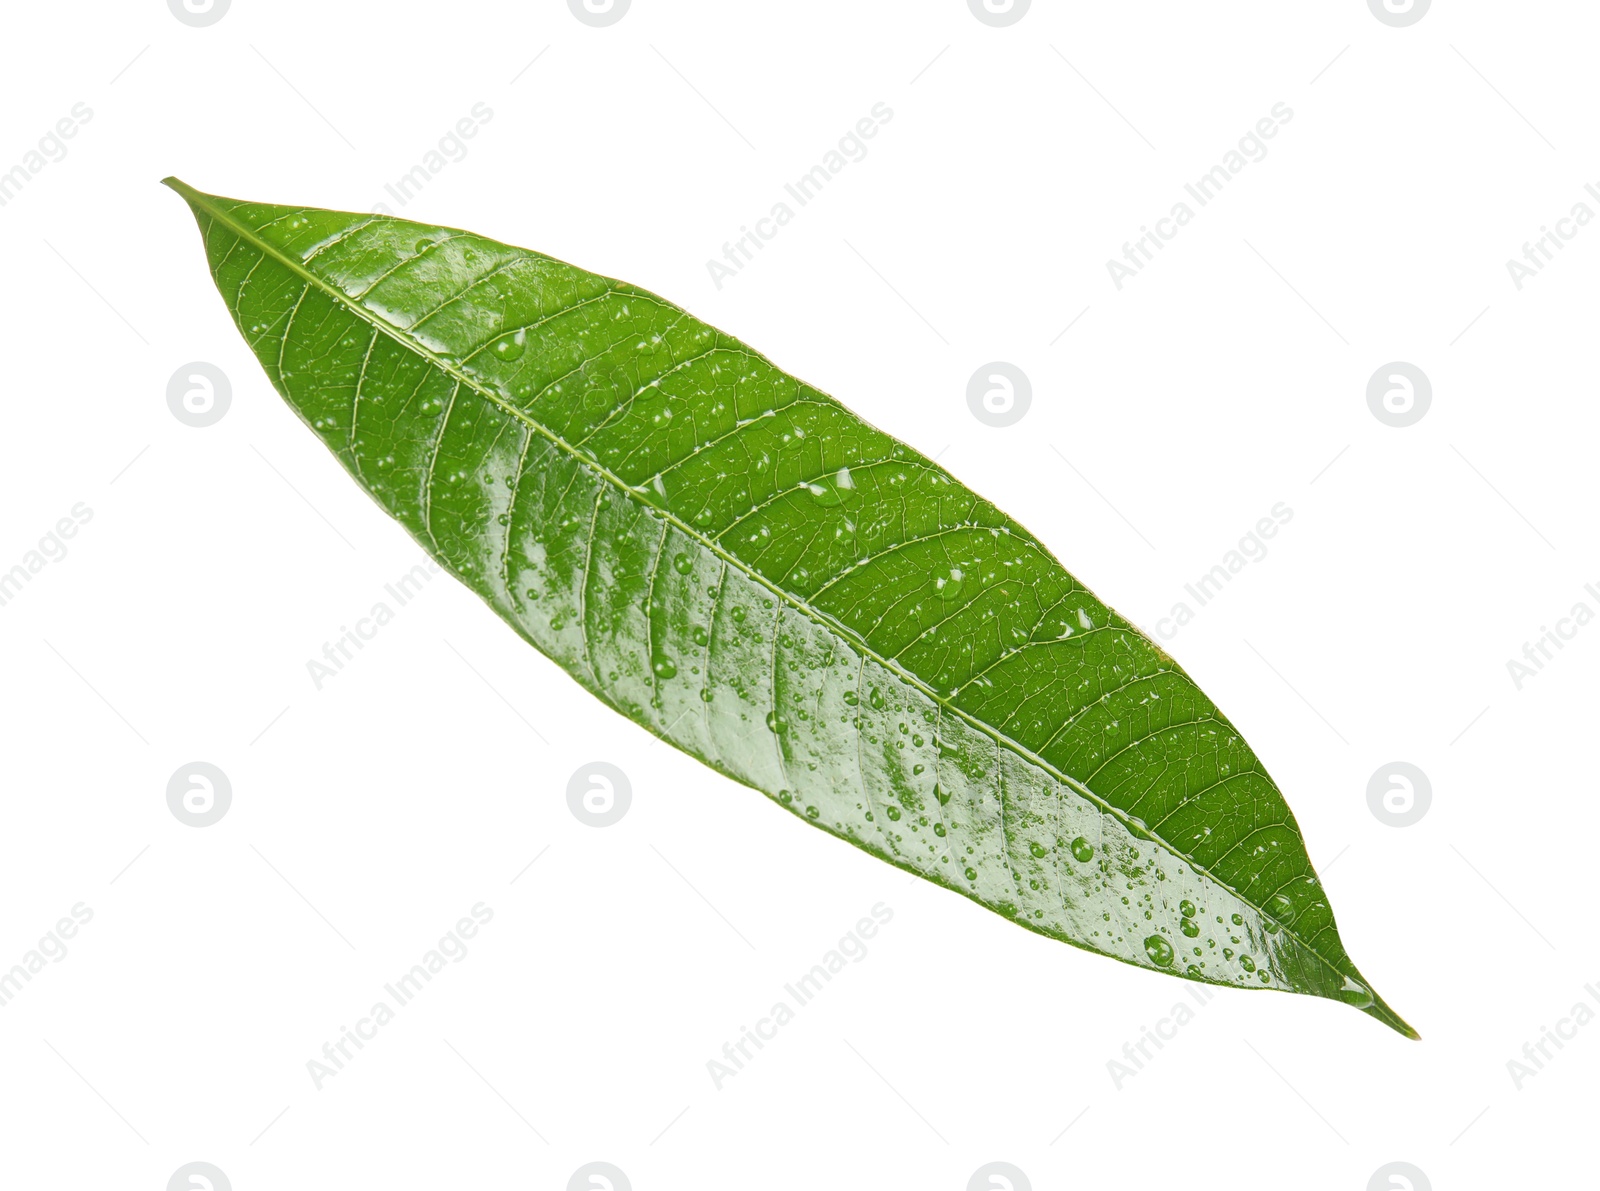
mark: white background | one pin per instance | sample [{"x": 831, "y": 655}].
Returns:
[{"x": 1230, "y": 375}]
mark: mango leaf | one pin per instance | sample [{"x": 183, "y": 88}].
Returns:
[{"x": 739, "y": 564}]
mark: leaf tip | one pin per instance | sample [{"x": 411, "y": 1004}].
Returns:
[{"x": 1392, "y": 1019}]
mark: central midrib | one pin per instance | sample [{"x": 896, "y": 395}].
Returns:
[{"x": 817, "y": 615}]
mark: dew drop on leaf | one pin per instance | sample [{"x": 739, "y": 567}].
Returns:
[
  {"x": 1355, "y": 993},
  {"x": 512, "y": 346},
  {"x": 950, "y": 586},
  {"x": 833, "y": 490},
  {"x": 1159, "y": 950}
]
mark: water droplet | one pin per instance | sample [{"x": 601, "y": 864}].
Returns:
[
  {"x": 1186, "y": 908},
  {"x": 654, "y": 493},
  {"x": 1248, "y": 964},
  {"x": 422, "y": 245},
  {"x": 776, "y": 723},
  {"x": 972, "y": 874},
  {"x": 655, "y": 410},
  {"x": 875, "y": 697},
  {"x": 682, "y": 564},
  {"x": 833, "y": 490},
  {"x": 949, "y": 586},
  {"x": 1188, "y": 927},
  {"x": 663, "y": 666},
  {"x": 512, "y": 346},
  {"x": 851, "y": 698},
  {"x": 700, "y": 636},
  {"x": 1036, "y": 849},
  {"x": 1159, "y": 950},
  {"x": 812, "y": 812},
  {"x": 894, "y": 813},
  {"x": 739, "y": 615},
  {"x": 1082, "y": 850},
  {"x": 938, "y": 830},
  {"x": 1355, "y": 993},
  {"x": 1238, "y": 919}
]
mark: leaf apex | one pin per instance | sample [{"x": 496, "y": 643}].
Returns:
[
  {"x": 1390, "y": 1018},
  {"x": 174, "y": 183}
]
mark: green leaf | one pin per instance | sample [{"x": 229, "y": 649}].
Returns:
[{"x": 738, "y": 563}]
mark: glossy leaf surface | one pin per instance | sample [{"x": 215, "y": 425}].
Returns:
[{"x": 735, "y": 561}]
